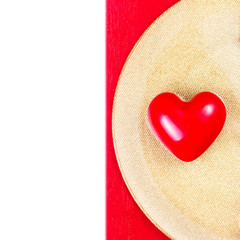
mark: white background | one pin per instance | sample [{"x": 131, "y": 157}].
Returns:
[{"x": 52, "y": 119}]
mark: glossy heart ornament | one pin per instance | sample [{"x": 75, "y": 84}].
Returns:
[{"x": 187, "y": 129}]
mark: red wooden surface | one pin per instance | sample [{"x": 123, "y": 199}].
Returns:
[{"x": 126, "y": 22}]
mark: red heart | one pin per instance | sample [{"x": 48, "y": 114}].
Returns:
[{"x": 187, "y": 129}]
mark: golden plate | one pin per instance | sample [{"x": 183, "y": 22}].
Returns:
[{"x": 192, "y": 47}]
